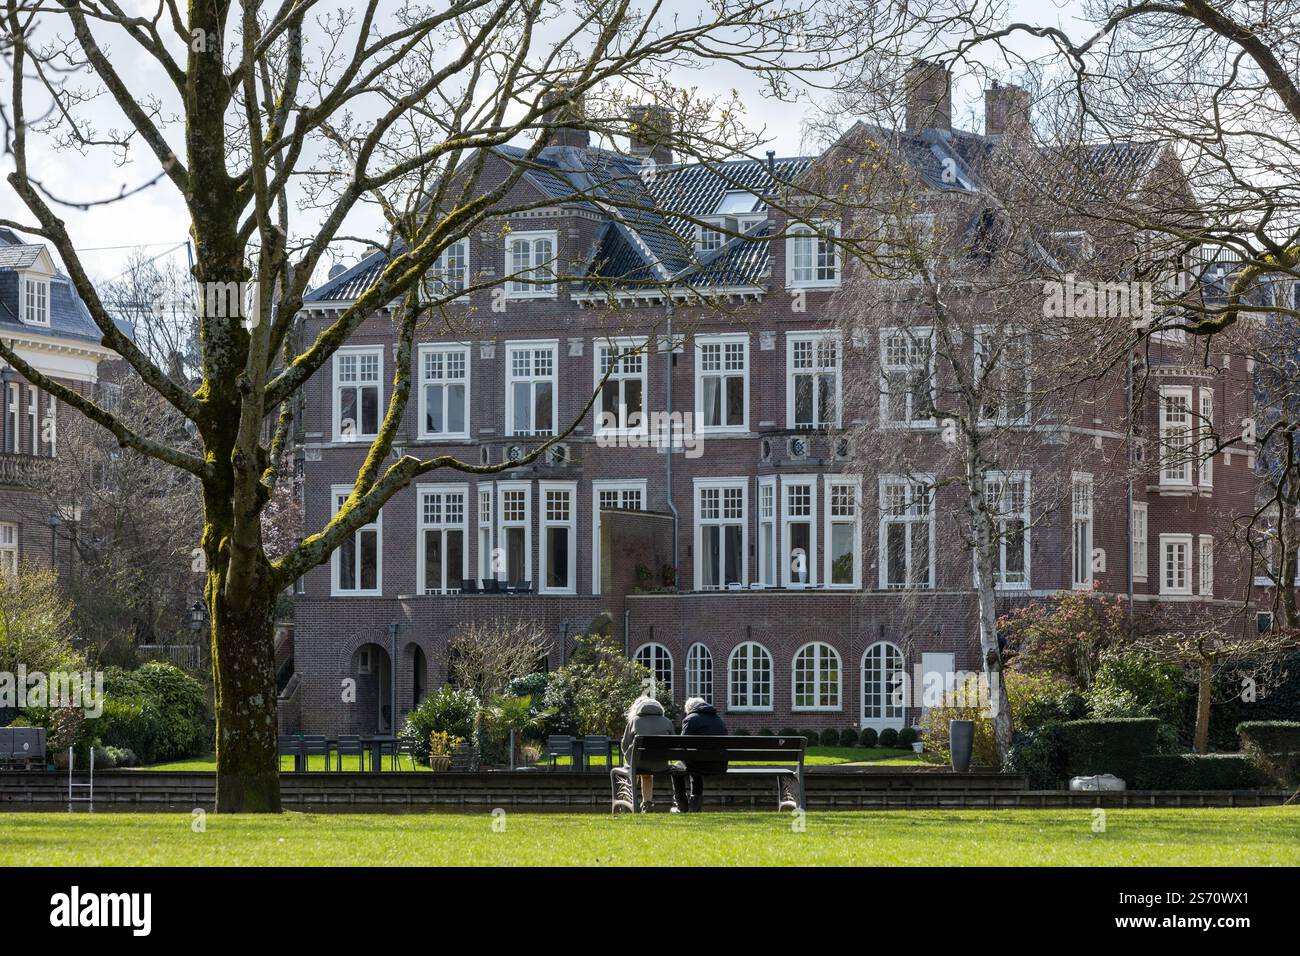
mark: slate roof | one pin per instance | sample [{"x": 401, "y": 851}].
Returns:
[{"x": 69, "y": 317}]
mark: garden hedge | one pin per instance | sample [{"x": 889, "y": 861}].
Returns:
[
  {"x": 1270, "y": 736},
  {"x": 1107, "y": 746},
  {"x": 1198, "y": 772}
]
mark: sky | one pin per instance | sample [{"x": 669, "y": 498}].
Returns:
[{"x": 154, "y": 219}]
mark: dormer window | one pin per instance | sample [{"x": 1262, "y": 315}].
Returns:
[
  {"x": 812, "y": 256},
  {"x": 36, "y": 300},
  {"x": 707, "y": 239},
  {"x": 737, "y": 202}
]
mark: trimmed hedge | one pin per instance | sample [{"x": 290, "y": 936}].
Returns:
[
  {"x": 848, "y": 737},
  {"x": 908, "y": 736},
  {"x": 1107, "y": 746},
  {"x": 868, "y": 737},
  {"x": 1198, "y": 772},
  {"x": 1040, "y": 755},
  {"x": 889, "y": 738},
  {"x": 1270, "y": 736},
  {"x": 157, "y": 712},
  {"x": 830, "y": 737}
]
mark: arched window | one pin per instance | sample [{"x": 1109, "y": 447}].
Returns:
[
  {"x": 699, "y": 672},
  {"x": 883, "y": 682},
  {"x": 660, "y": 663},
  {"x": 749, "y": 677},
  {"x": 816, "y": 677}
]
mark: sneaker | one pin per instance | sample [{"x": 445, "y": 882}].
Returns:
[{"x": 647, "y": 806}]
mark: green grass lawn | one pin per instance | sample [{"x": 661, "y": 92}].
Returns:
[
  {"x": 815, "y": 757},
  {"x": 1267, "y": 836}
]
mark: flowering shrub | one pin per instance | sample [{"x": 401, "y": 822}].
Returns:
[{"x": 1063, "y": 635}]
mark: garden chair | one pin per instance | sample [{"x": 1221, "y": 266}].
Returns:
[
  {"x": 349, "y": 745},
  {"x": 469, "y": 586},
  {"x": 491, "y": 586},
  {"x": 314, "y": 746},
  {"x": 399, "y": 748},
  {"x": 596, "y": 745},
  {"x": 557, "y": 746},
  {"x": 290, "y": 745}
]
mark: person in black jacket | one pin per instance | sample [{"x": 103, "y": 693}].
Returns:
[{"x": 701, "y": 719}]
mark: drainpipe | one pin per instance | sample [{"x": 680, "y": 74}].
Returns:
[
  {"x": 1128, "y": 517},
  {"x": 392, "y": 677},
  {"x": 564, "y": 642},
  {"x": 627, "y": 617},
  {"x": 668, "y": 452}
]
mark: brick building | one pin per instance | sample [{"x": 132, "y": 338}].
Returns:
[
  {"x": 762, "y": 573},
  {"x": 44, "y": 321}
]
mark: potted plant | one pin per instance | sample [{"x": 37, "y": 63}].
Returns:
[{"x": 441, "y": 747}]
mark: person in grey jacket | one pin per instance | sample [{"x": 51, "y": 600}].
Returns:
[
  {"x": 701, "y": 718},
  {"x": 645, "y": 718}
]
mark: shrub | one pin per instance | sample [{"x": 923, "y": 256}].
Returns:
[
  {"x": 848, "y": 737},
  {"x": 1063, "y": 635},
  {"x": 1040, "y": 698},
  {"x": 967, "y": 702},
  {"x": 158, "y": 712},
  {"x": 1134, "y": 685},
  {"x": 788, "y": 732},
  {"x": 868, "y": 737},
  {"x": 592, "y": 693},
  {"x": 1270, "y": 736},
  {"x": 1198, "y": 772},
  {"x": 765, "y": 732},
  {"x": 830, "y": 737},
  {"x": 742, "y": 732},
  {"x": 889, "y": 737},
  {"x": 908, "y": 736},
  {"x": 447, "y": 710},
  {"x": 1040, "y": 755},
  {"x": 1108, "y": 746},
  {"x": 530, "y": 685}
]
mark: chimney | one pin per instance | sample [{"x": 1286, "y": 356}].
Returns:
[
  {"x": 1006, "y": 111},
  {"x": 929, "y": 96},
  {"x": 650, "y": 133},
  {"x": 572, "y": 113}
]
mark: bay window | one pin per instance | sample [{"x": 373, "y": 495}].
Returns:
[
  {"x": 906, "y": 377},
  {"x": 798, "y": 519},
  {"x": 812, "y": 381},
  {"x": 443, "y": 557},
  {"x": 722, "y": 382},
  {"x": 559, "y": 552},
  {"x": 1175, "y": 564},
  {"x": 515, "y": 533},
  {"x": 621, "y": 408},
  {"x": 843, "y": 533},
  {"x": 1176, "y": 435},
  {"x": 531, "y": 388},
  {"x": 357, "y": 562},
  {"x": 906, "y": 532},
  {"x": 720, "y": 533},
  {"x": 1007, "y": 495},
  {"x": 1081, "y": 530},
  {"x": 444, "y": 391},
  {"x": 767, "y": 532}
]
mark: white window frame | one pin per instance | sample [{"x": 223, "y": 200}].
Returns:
[
  {"x": 658, "y": 661},
  {"x": 705, "y": 234},
  {"x": 36, "y": 300},
  {"x": 699, "y": 672},
  {"x": 1007, "y": 336},
  {"x": 1000, "y": 516},
  {"x": 445, "y": 380},
  {"x": 1174, "y": 540},
  {"x": 889, "y": 714},
  {"x": 503, "y": 525},
  {"x": 747, "y": 686},
  {"x": 422, "y": 524},
  {"x": 807, "y": 484},
  {"x": 357, "y": 352},
  {"x": 769, "y": 547},
  {"x": 569, "y": 524},
  {"x": 912, "y": 485},
  {"x": 722, "y": 485},
  {"x": 516, "y": 289},
  {"x": 1176, "y": 438},
  {"x": 532, "y": 346},
  {"x": 722, "y": 341},
  {"x": 801, "y": 234},
  {"x": 377, "y": 526},
  {"x": 621, "y": 347},
  {"x": 1205, "y": 559},
  {"x": 820, "y": 342},
  {"x": 8, "y": 547},
  {"x": 12, "y": 436},
  {"x": 1141, "y": 556},
  {"x": 815, "y": 675},
  {"x": 913, "y": 337},
  {"x": 1082, "y": 524},
  {"x": 439, "y": 282},
  {"x": 52, "y": 424},
  {"x": 34, "y": 418},
  {"x": 854, "y": 486},
  {"x": 485, "y": 496},
  {"x": 1205, "y": 425},
  {"x": 621, "y": 488}
]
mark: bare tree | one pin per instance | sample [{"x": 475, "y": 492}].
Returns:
[
  {"x": 485, "y": 657},
  {"x": 258, "y": 113}
]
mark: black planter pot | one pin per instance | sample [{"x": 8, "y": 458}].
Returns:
[{"x": 961, "y": 738}]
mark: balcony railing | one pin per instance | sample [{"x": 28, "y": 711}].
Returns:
[{"x": 21, "y": 470}]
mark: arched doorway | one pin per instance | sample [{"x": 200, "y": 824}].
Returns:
[
  {"x": 419, "y": 676},
  {"x": 883, "y": 687},
  {"x": 372, "y": 669}
]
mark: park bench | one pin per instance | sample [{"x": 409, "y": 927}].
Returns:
[
  {"x": 22, "y": 747},
  {"x": 780, "y": 757}
]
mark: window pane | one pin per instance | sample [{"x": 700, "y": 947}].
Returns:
[
  {"x": 800, "y": 551},
  {"x": 369, "y": 545},
  {"x": 712, "y": 556},
  {"x": 432, "y": 560},
  {"x": 515, "y": 554},
  {"x": 433, "y": 408},
  {"x": 842, "y": 553},
  {"x": 455, "y": 409},
  {"x": 455, "y": 557},
  {"x": 522, "y": 395},
  {"x": 712, "y": 401},
  {"x": 896, "y": 555},
  {"x": 733, "y": 554},
  {"x": 369, "y": 411},
  {"x": 803, "y": 400},
  {"x": 557, "y": 557},
  {"x": 542, "y": 408},
  {"x": 735, "y": 400},
  {"x": 348, "y": 564}
]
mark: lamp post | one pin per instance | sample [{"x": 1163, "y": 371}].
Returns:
[
  {"x": 198, "y": 616},
  {"x": 54, "y": 521}
]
